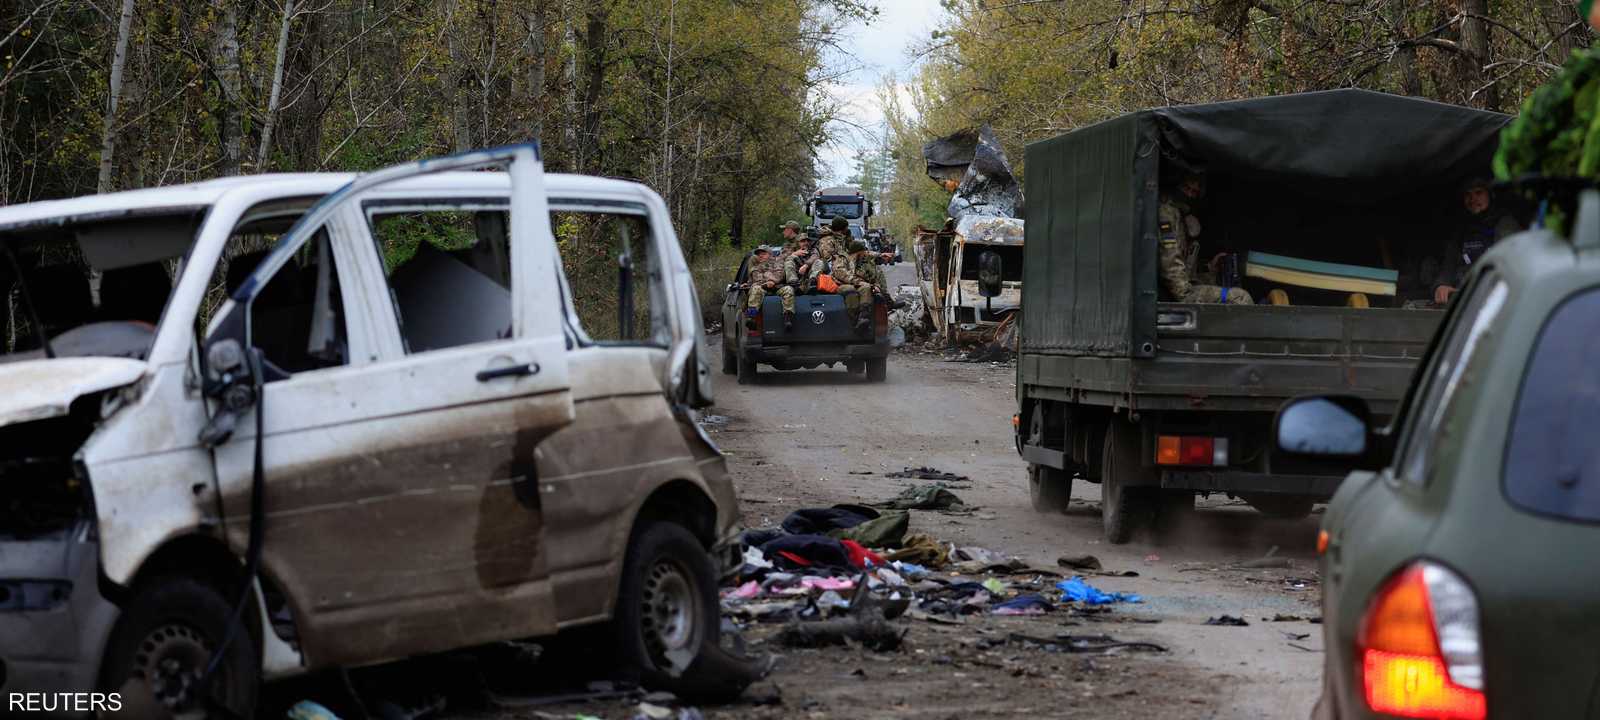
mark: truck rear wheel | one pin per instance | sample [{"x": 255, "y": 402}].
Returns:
[
  {"x": 1283, "y": 507},
  {"x": 747, "y": 371},
  {"x": 1127, "y": 498},
  {"x": 877, "y": 369},
  {"x": 1049, "y": 489}
]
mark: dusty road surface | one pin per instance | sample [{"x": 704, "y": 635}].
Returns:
[{"x": 819, "y": 437}]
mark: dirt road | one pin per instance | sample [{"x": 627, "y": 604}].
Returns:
[{"x": 794, "y": 440}]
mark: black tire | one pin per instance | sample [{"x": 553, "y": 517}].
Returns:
[
  {"x": 668, "y": 613},
  {"x": 164, "y": 640},
  {"x": 730, "y": 362},
  {"x": 1127, "y": 502},
  {"x": 1049, "y": 489},
  {"x": 877, "y": 369},
  {"x": 747, "y": 371},
  {"x": 1282, "y": 507}
]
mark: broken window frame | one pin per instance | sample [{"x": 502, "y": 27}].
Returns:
[{"x": 660, "y": 330}]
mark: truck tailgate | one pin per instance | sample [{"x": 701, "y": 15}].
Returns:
[{"x": 817, "y": 318}]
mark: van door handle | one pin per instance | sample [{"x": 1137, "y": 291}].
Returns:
[{"x": 511, "y": 371}]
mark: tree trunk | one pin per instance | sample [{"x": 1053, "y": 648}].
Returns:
[
  {"x": 1405, "y": 58},
  {"x": 108, "y": 135},
  {"x": 455, "y": 79},
  {"x": 225, "y": 66},
  {"x": 538, "y": 22},
  {"x": 594, "y": 50},
  {"x": 262, "y": 156},
  {"x": 1476, "y": 53}
]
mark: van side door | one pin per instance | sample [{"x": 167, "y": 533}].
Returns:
[{"x": 401, "y": 495}]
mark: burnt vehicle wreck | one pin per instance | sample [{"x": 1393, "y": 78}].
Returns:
[{"x": 244, "y": 437}]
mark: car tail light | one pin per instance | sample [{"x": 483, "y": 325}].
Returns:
[
  {"x": 1191, "y": 450},
  {"x": 1420, "y": 651}
]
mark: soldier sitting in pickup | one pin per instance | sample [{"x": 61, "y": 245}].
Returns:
[
  {"x": 836, "y": 235},
  {"x": 766, "y": 276},
  {"x": 791, "y": 233},
  {"x": 1179, "y": 229},
  {"x": 859, "y": 280},
  {"x": 800, "y": 267}
]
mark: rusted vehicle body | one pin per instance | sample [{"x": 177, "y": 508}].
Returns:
[
  {"x": 272, "y": 428},
  {"x": 971, "y": 276}
]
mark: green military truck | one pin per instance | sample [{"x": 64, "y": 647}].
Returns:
[{"x": 1160, "y": 401}]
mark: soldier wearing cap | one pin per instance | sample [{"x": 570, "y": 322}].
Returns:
[
  {"x": 1179, "y": 229},
  {"x": 765, "y": 276},
  {"x": 791, "y": 231},
  {"x": 1481, "y": 226}
]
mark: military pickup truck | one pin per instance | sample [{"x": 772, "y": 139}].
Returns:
[
  {"x": 822, "y": 334},
  {"x": 1158, "y": 401}
]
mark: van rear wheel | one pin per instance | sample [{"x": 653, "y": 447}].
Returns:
[
  {"x": 667, "y": 612},
  {"x": 1127, "y": 497}
]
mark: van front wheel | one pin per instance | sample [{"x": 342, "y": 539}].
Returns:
[{"x": 161, "y": 647}]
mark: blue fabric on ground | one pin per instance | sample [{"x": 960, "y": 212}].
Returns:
[{"x": 1075, "y": 589}]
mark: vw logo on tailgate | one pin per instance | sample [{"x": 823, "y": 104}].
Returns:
[{"x": 817, "y": 317}]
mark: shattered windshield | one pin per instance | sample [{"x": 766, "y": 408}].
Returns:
[{"x": 95, "y": 289}]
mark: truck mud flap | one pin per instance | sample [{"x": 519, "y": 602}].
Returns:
[
  {"x": 1248, "y": 482},
  {"x": 1040, "y": 455}
]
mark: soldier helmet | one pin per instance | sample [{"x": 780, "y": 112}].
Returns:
[
  {"x": 839, "y": 224},
  {"x": 791, "y": 225},
  {"x": 857, "y": 246}
]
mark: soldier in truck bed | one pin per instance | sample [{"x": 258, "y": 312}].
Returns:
[
  {"x": 801, "y": 266},
  {"x": 1481, "y": 225},
  {"x": 836, "y": 236},
  {"x": 1179, "y": 230},
  {"x": 766, "y": 276}
]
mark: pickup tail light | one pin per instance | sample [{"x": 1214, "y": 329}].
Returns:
[
  {"x": 1191, "y": 450},
  {"x": 760, "y": 323},
  {"x": 880, "y": 319},
  {"x": 1420, "y": 650}
]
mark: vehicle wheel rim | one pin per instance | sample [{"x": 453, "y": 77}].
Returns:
[
  {"x": 670, "y": 616},
  {"x": 170, "y": 661}
]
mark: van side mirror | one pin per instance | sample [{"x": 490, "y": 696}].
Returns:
[
  {"x": 1333, "y": 426},
  {"x": 990, "y": 271},
  {"x": 231, "y": 379}
]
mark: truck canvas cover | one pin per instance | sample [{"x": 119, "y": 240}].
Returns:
[{"x": 1378, "y": 166}]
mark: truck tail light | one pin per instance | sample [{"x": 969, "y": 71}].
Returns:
[
  {"x": 880, "y": 319},
  {"x": 1191, "y": 450},
  {"x": 1420, "y": 650}
]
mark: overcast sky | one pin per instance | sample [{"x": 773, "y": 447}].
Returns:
[{"x": 879, "y": 49}]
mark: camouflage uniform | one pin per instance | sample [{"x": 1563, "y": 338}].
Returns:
[
  {"x": 858, "y": 278},
  {"x": 1181, "y": 271},
  {"x": 762, "y": 273},
  {"x": 801, "y": 280}
]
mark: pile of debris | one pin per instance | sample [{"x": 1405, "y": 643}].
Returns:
[{"x": 844, "y": 574}]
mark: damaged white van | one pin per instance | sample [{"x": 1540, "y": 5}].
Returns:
[{"x": 262, "y": 425}]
